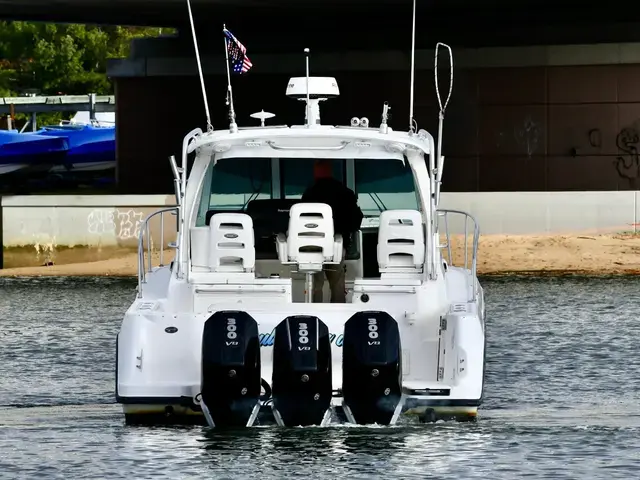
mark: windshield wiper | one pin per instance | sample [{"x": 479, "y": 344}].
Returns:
[{"x": 379, "y": 203}]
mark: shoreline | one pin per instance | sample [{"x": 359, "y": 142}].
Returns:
[
  {"x": 498, "y": 255},
  {"x": 494, "y": 274}
]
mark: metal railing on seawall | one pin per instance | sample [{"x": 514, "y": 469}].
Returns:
[
  {"x": 470, "y": 249},
  {"x": 58, "y": 103},
  {"x": 146, "y": 247}
]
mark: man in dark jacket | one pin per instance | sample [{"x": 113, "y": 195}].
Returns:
[{"x": 347, "y": 218}]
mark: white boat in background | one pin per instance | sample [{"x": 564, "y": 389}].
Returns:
[
  {"x": 104, "y": 119},
  {"x": 227, "y": 332}
]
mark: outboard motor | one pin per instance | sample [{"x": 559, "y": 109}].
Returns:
[
  {"x": 371, "y": 368},
  {"x": 301, "y": 385},
  {"x": 231, "y": 382}
]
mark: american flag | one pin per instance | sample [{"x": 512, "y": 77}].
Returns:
[{"x": 237, "y": 53}]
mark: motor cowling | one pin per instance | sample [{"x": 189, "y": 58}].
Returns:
[
  {"x": 371, "y": 367},
  {"x": 231, "y": 382},
  {"x": 301, "y": 383}
]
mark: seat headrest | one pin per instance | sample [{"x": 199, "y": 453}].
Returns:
[{"x": 211, "y": 213}]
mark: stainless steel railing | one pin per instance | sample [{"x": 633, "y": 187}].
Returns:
[
  {"x": 146, "y": 247},
  {"x": 470, "y": 249}
]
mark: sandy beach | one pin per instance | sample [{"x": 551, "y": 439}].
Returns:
[{"x": 498, "y": 254}]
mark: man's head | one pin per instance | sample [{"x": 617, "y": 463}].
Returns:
[{"x": 322, "y": 169}]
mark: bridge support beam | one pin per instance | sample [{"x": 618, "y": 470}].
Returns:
[{"x": 522, "y": 118}]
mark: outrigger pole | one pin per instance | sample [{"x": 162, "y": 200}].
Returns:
[
  {"x": 306, "y": 53},
  {"x": 412, "y": 128},
  {"x": 204, "y": 90},
  {"x": 443, "y": 107}
]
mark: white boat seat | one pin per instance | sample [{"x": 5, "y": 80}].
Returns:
[
  {"x": 200, "y": 248},
  {"x": 223, "y": 263},
  {"x": 401, "y": 245},
  {"x": 231, "y": 243},
  {"x": 310, "y": 241}
]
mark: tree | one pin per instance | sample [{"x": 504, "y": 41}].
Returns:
[{"x": 64, "y": 59}]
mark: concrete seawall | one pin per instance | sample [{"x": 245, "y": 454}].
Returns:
[
  {"x": 549, "y": 213},
  {"x": 37, "y": 230},
  {"x": 77, "y": 228}
]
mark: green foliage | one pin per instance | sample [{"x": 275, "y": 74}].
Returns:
[{"x": 69, "y": 59}]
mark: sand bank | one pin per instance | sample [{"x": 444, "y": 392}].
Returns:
[
  {"x": 581, "y": 254},
  {"x": 121, "y": 264},
  {"x": 498, "y": 254}
]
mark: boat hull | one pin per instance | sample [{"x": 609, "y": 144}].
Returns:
[
  {"x": 90, "y": 148},
  {"x": 175, "y": 412},
  {"x": 158, "y": 374}
]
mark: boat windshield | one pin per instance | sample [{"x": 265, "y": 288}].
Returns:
[{"x": 232, "y": 184}]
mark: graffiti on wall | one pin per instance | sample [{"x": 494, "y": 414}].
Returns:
[
  {"x": 527, "y": 135},
  {"x": 595, "y": 138},
  {"x": 627, "y": 160},
  {"x": 628, "y": 163},
  {"x": 123, "y": 224}
]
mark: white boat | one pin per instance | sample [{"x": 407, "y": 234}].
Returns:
[
  {"x": 101, "y": 119},
  {"x": 229, "y": 333},
  {"x": 209, "y": 336}
]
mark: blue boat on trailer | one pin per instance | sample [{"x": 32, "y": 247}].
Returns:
[
  {"x": 91, "y": 148},
  {"x": 71, "y": 152},
  {"x": 33, "y": 153}
]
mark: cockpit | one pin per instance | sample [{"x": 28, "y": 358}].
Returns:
[{"x": 267, "y": 188}]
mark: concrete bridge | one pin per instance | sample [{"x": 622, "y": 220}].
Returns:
[
  {"x": 357, "y": 23},
  {"x": 543, "y": 90},
  {"x": 353, "y": 12}
]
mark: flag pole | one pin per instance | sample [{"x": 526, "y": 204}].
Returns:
[
  {"x": 204, "y": 90},
  {"x": 233, "y": 127}
]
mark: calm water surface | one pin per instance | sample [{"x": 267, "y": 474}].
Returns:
[{"x": 563, "y": 385}]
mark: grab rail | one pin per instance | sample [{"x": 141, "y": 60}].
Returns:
[
  {"x": 285, "y": 147},
  {"x": 470, "y": 264},
  {"x": 145, "y": 255}
]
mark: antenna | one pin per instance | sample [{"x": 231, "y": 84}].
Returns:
[
  {"x": 384, "y": 128},
  {"x": 440, "y": 159},
  {"x": 204, "y": 91},
  {"x": 306, "y": 53},
  {"x": 262, "y": 116},
  {"x": 412, "y": 129}
]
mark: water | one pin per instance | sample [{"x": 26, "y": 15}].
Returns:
[{"x": 561, "y": 394}]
